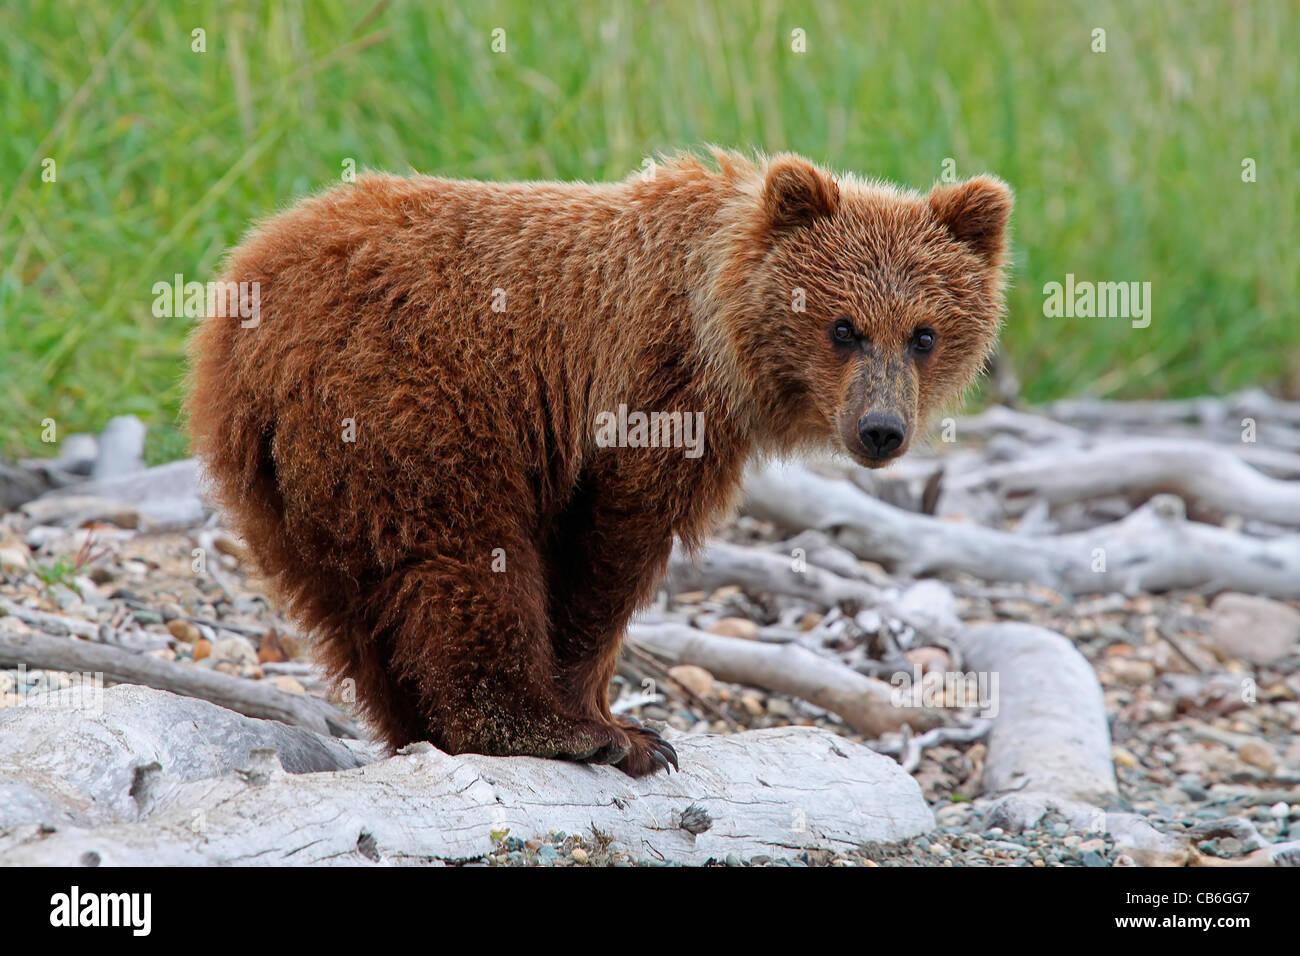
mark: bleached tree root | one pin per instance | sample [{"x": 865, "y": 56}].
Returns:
[
  {"x": 866, "y": 704},
  {"x": 115, "y": 665},
  {"x": 772, "y": 792},
  {"x": 1207, "y": 476},
  {"x": 1155, "y": 548}
]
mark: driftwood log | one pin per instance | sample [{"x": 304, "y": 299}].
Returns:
[
  {"x": 772, "y": 792},
  {"x": 1208, "y": 477},
  {"x": 118, "y": 666},
  {"x": 865, "y": 704},
  {"x": 1155, "y": 548}
]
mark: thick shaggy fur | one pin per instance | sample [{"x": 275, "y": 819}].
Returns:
[{"x": 474, "y": 428}]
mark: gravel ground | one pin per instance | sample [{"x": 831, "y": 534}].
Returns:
[{"x": 1205, "y": 743}]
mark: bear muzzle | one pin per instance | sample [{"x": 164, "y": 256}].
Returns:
[{"x": 882, "y": 437}]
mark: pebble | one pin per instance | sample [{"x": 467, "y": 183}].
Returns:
[
  {"x": 1122, "y": 757},
  {"x": 735, "y": 627},
  {"x": 1258, "y": 755},
  {"x": 290, "y": 685},
  {"x": 695, "y": 679},
  {"x": 236, "y": 650},
  {"x": 1252, "y": 628},
  {"x": 183, "y": 630}
]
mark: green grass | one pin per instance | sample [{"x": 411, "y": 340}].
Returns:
[{"x": 1127, "y": 164}]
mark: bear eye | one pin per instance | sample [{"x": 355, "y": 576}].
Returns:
[
  {"x": 923, "y": 340},
  {"x": 842, "y": 331}
]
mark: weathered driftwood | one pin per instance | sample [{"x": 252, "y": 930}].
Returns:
[
  {"x": 49, "y": 622},
  {"x": 1155, "y": 548},
  {"x": 789, "y": 569},
  {"x": 118, "y": 666},
  {"x": 1207, "y": 476},
  {"x": 1050, "y": 733},
  {"x": 1274, "y": 451},
  {"x": 94, "y": 756},
  {"x": 866, "y": 704},
  {"x": 722, "y": 563},
  {"x": 773, "y": 792},
  {"x": 1000, "y": 420},
  {"x": 1252, "y": 403},
  {"x": 163, "y": 497}
]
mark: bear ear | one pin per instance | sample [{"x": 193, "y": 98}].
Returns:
[
  {"x": 797, "y": 193},
  {"x": 976, "y": 213}
]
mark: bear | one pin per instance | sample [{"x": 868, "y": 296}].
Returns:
[{"x": 406, "y": 434}]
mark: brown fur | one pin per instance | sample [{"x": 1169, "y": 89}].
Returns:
[{"x": 474, "y": 428}]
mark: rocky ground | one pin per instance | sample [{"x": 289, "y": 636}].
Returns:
[
  {"x": 1202, "y": 695},
  {"x": 1192, "y": 751}
]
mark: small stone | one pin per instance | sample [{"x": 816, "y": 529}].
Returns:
[
  {"x": 777, "y": 707},
  {"x": 1093, "y": 858},
  {"x": 1251, "y": 628},
  {"x": 183, "y": 630},
  {"x": 809, "y": 620},
  {"x": 953, "y": 814},
  {"x": 695, "y": 679},
  {"x": 928, "y": 659},
  {"x": 1256, "y": 754},
  {"x": 752, "y": 704},
  {"x": 1122, "y": 757},
  {"x": 288, "y": 684},
  {"x": 236, "y": 650},
  {"x": 1131, "y": 671},
  {"x": 1124, "y": 860},
  {"x": 735, "y": 627},
  {"x": 13, "y": 555},
  {"x": 202, "y": 648}
]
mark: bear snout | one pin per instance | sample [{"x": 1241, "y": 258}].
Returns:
[{"x": 882, "y": 434}]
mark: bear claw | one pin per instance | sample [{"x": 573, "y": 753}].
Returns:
[{"x": 650, "y": 753}]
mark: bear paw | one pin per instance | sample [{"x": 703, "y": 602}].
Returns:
[{"x": 649, "y": 753}]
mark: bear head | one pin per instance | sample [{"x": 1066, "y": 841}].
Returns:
[{"x": 852, "y": 311}]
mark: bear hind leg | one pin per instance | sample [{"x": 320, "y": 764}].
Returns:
[{"x": 470, "y": 649}]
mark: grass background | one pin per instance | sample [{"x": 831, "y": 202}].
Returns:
[{"x": 1127, "y": 164}]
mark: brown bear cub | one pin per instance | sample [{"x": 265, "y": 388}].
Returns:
[{"x": 413, "y": 435}]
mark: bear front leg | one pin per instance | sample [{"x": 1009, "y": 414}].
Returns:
[
  {"x": 606, "y": 554},
  {"x": 467, "y": 643}
]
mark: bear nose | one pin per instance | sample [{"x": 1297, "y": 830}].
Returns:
[{"x": 881, "y": 433}]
